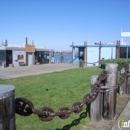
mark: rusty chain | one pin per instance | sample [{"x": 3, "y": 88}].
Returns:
[
  {"x": 25, "y": 107},
  {"x": 123, "y": 76}
]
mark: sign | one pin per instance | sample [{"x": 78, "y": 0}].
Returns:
[
  {"x": 122, "y": 124},
  {"x": 109, "y": 42},
  {"x": 125, "y": 34},
  {"x": 29, "y": 48}
]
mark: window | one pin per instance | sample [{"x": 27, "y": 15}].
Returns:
[
  {"x": 123, "y": 52},
  {"x": 20, "y": 57},
  {"x": 128, "y": 52}
]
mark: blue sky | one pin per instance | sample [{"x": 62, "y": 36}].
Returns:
[{"x": 56, "y": 23}]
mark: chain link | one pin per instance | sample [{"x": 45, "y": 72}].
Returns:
[
  {"x": 123, "y": 76},
  {"x": 25, "y": 107}
]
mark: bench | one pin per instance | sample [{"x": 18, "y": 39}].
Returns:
[{"x": 22, "y": 64}]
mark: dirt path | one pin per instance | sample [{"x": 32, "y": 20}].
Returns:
[{"x": 107, "y": 124}]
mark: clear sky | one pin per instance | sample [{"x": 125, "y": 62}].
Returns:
[{"x": 56, "y": 23}]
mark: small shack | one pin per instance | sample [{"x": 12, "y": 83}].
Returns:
[
  {"x": 92, "y": 54},
  {"x": 21, "y": 56}
]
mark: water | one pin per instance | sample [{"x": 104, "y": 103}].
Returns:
[{"x": 67, "y": 58}]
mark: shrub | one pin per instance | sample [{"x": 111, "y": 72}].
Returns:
[{"x": 122, "y": 62}]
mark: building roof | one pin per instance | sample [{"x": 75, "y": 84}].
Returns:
[
  {"x": 23, "y": 48},
  {"x": 97, "y": 45}
]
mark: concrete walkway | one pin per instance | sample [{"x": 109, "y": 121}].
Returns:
[
  {"x": 124, "y": 119},
  {"x": 122, "y": 112},
  {"x": 14, "y": 72}
]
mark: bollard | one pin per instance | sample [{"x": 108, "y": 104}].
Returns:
[
  {"x": 128, "y": 83},
  {"x": 109, "y": 103},
  {"x": 96, "y": 105},
  {"x": 122, "y": 89},
  {"x": 7, "y": 113},
  {"x": 81, "y": 63}
]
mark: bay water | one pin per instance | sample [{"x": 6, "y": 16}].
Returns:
[{"x": 67, "y": 58}]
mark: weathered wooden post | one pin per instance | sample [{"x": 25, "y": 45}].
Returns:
[
  {"x": 99, "y": 58},
  {"x": 116, "y": 49},
  {"x": 72, "y": 52},
  {"x": 81, "y": 63},
  {"x": 85, "y": 53},
  {"x": 119, "y": 48},
  {"x": 96, "y": 105},
  {"x": 128, "y": 83},
  {"x": 7, "y": 114},
  {"x": 109, "y": 103},
  {"x": 122, "y": 89}
]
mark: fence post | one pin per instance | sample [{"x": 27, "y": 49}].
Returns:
[
  {"x": 128, "y": 83},
  {"x": 96, "y": 105},
  {"x": 99, "y": 58},
  {"x": 122, "y": 89},
  {"x": 7, "y": 113},
  {"x": 85, "y": 53},
  {"x": 81, "y": 63},
  {"x": 109, "y": 103}
]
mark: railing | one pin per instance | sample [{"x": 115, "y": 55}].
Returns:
[{"x": 103, "y": 86}]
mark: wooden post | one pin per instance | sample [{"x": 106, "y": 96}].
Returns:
[
  {"x": 81, "y": 63},
  {"x": 109, "y": 104},
  {"x": 99, "y": 52},
  {"x": 72, "y": 52},
  {"x": 85, "y": 52},
  {"x": 26, "y": 40},
  {"x": 33, "y": 56},
  {"x": 128, "y": 83},
  {"x": 96, "y": 105},
  {"x": 122, "y": 89},
  {"x": 118, "y": 49},
  {"x": 7, "y": 113}
]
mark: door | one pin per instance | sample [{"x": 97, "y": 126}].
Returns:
[{"x": 29, "y": 58}]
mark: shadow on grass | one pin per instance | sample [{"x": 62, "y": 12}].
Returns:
[{"x": 77, "y": 121}]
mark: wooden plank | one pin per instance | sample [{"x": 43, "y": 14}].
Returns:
[{"x": 29, "y": 48}]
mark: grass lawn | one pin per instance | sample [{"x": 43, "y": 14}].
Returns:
[{"x": 64, "y": 89}]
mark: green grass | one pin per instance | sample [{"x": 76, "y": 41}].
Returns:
[{"x": 64, "y": 89}]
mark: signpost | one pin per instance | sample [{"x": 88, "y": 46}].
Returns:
[{"x": 125, "y": 34}]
